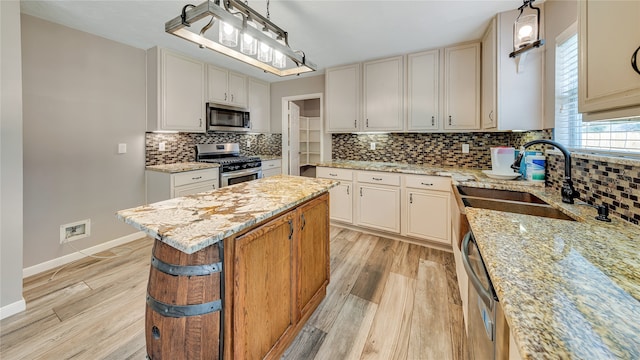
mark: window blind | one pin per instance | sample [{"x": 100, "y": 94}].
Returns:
[{"x": 617, "y": 136}]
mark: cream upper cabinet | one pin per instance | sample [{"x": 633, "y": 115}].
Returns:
[
  {"x": 343, "y": 104},
  {"x": 609, "y": 42},
  {"x": 512, "y": 94},
  {"x": 259, "y": 105},
  {"x": 226, "y": 87},
  {"x": 175, "y": 92},
  {"x": 462, "y": 87},
  {"x": 423, "y": 91},
  {"x": 383, "y": 95}
]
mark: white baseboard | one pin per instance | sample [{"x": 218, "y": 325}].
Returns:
[
  {"x": 48, "y": 265},
  {"x": 13, "y": 308}
]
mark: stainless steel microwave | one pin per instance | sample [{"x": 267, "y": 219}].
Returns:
[{"x": 227, "y": 118}]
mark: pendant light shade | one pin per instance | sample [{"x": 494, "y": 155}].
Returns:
[
  {"x": 526, "y": 29},
  {"x": 248, "y": 44},
  {"x": 228, "y": 35},
  {"x": 265, "y": 52}
]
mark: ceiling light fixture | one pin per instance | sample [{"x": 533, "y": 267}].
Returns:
[
  {"x": 239, "y": 23},
  {"x": 526, "y": 30}
]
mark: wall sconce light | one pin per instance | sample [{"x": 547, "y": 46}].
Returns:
[
  {"x": 263, "y": 44},
  {"x": 526, "y": 30}
]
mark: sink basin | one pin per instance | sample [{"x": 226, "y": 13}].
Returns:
[
  {"x": 500, "y": 194},
  {"x": 509, "y": 201}
]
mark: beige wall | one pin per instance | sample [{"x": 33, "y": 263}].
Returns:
[
  {"x": 83, "y": 95},
  {"x": 301, "y": 86},
  {"x": 559, "y": 14},
  {"x": 11, "y": 159}
]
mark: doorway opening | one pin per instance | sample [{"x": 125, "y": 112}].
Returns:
[{"x": 304, "y": 142}]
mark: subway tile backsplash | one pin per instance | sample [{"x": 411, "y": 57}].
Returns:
[{"x": 181, "y": 147}]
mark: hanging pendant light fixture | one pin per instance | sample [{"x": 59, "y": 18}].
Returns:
[
  {"x": 259, "y": 38},
  {"x": 526, "y": 30}
]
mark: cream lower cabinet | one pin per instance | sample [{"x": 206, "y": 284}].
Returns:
[
  {"x": 425, "y": 205},
  {"x": 162, "y": 186},
  {"x": 341, "y": 196},
  {"x": 378, "y": 201},
  {"x": 271, "y": 167}
]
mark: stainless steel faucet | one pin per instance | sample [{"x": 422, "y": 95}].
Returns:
[{"x": 568, "y": 192}]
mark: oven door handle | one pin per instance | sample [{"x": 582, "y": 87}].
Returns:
[
  {"x": 241, "y": 172},
  {"x": 483, "y": 293}
]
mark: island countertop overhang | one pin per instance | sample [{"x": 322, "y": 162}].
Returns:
[{"x": 194, "y": 222}]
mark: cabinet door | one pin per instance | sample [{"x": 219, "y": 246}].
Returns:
[
  {"x": 379, "y": 207},
  {"x": 312, "y": 253},
  {"x": 462, "y": 87},
  {"x": 342, "y": 202},
  {"x": 238, "y": 89},
  {"x": 423, "y": 98},
  {"x": 489, "y": 65},
  {"x": 383, "y": 86},
  {"x": 259, "y": 105},
  {"x": 194, "y": 189},
  {"x": 218, "y": 85},
  {"x": 182, "y": 93},
  {"x": 263, "y": 283},
  {"x": 609, "y": 36},
  {"x": 428, "y": 215},
  {"x": 343, "y": 98}
]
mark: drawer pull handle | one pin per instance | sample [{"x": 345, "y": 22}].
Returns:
[
  {"x": 634, "y": 60},
  {"x": 360, "y": 192},
  {"x": 377, "y": 179},
  {"x": 410, "y": 198},
  {"x": 196, "y": 178},
  {"x": 330, "y": 174},
  {"x": 347, "y": 189},
  {"x": 426, "y": 184},
  {"x": 433, "y": 121}
]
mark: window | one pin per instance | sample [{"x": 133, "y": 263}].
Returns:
[{"x": 615, "y": 136}]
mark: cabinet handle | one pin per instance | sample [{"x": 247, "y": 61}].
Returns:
[
  {"x": 426, "y": 184},
  {"x": 225, "y": 96},
  {"x": 290, "y": 229},
  {"x": 304, "y": 221},
  {"x": 196, "y": 178},
  {"x": 330, "y": 174},
  {"x": 347, "y": 189},
  {"x": 200, "y": 122},
  {"x": 376, "y": 179},
  {"x": 449, "y": 119},
  {"x": 634, "y": 60},
  {"x": 232, "y": 98},
  {"x": 491, "y": 116},
  {"x": 410, "y": 198},
  {"x": 433, "y": 121},
  {"x": 355, "y": 123},
  {"x": 367, "y": 122},
  {"x": 360, "y": 192}
]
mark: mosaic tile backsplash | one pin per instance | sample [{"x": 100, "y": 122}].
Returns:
[
  {"x": 601, "y": 180},
  {"x": 181, "y": 147},
  {"x": 437, "y": 149}
]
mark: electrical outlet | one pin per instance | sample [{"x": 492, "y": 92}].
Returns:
[
  {"x": 162, "y": 146},
  {"x": 122, "y": 148},
  {"x": 75, "y": 231},
  {"x": 465, "y": 148},
  {"x": 372, "y": 146},
  {"x": 248, "y": 142}
]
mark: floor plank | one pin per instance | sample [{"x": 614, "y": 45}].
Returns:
[{"x": 384, "y": 301}]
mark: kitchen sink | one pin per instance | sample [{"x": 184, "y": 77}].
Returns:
[{"x": 509, "y": 201}]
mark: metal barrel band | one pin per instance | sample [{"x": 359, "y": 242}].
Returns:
[
  {"x": 178, "y": 311},
  {"x": 185, "y": 270}
]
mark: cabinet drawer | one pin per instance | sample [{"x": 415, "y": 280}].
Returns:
[
  {"x": 379, "y": 178},
  {"x": 271, "y": 164},
  {"x": 440, "y": 183},
  {"x": 333, "y": 173},
  {"x": 192, "y": 177}
]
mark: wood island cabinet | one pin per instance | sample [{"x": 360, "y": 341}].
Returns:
[{"x": 279, "y": 275}]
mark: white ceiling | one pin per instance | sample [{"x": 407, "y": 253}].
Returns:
[{"x": 329, "y": 32}]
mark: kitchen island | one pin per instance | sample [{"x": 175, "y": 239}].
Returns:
[{"x": 235, "y": 272}]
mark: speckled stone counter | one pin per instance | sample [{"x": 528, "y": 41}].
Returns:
[
  {"x": 194, "y": 222},
  {"x": 568, "y": 289},
  {"x": 269, "y": 157},
  {"x": 182, "y": 167}
]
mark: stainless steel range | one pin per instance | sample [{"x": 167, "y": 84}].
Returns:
[{"x": 234, "y": 168}]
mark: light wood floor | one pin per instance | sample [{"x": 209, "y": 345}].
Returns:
[{"x": 386, "y": 300}]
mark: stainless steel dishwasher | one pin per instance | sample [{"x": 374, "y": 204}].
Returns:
[{"x": 488, "y": 332}]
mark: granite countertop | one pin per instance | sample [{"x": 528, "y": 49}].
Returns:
[
  {"x": 568, "y": 289},
  {"x": 269, "y": 157},
  {"x": 182, "y": 167},
  {"x": 194, "y": 222}
]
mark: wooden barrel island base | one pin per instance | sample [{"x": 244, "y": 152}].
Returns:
[
  {"x": 235, "y": 272},
  {"x": 183, "y": 314}
]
